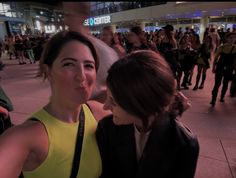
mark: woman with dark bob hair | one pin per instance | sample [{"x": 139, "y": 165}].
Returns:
[
  {"x": 143, "y": 138},
  {"x": 44, "y": 145}
]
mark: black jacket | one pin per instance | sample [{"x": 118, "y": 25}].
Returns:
[{"x": 171, "y": 151}]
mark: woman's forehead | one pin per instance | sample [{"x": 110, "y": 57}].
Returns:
[{"x": 75, "y": 48}]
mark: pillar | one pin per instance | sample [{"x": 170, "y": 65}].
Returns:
[
  {"x": 204, "y": 22},
  {"x": 142, "y": 25},
  {"x": 113, "y": 27}
]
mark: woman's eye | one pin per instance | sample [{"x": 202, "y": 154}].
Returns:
[
  {"x": 68, "y": 64},
  {"x": 89, "y": 66}
]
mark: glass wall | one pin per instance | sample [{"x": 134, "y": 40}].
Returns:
[
  {"x": 99, "y": 8},
  {"x": 6, "y": 10}
]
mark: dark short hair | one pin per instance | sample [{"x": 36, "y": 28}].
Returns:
[
  {"x": 168, "y": 27},
  {"x": 55, "y": 44},
  {"x": 108, "y": 28},
  {"x": 142, "y": 84},
  {"x": 230, "y": 37},
  {"x": 137, "y": 30}
]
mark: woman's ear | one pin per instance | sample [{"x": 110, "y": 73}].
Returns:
[{"x": 47, "y": 72}]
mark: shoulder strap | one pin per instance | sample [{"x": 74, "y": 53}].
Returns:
[
  {"x": 33, "y": 119},
  {"x": 78, "y": 147},
  {"x": 89, "y": 107}
]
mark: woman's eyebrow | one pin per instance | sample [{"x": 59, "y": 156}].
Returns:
[{"x": 68, "y": 58}]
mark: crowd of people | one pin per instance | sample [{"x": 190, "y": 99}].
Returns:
[
  {"x": 115, "y": 102},
  {"x": 182, "y": 50},
  {"x": 24, "y": 48}
]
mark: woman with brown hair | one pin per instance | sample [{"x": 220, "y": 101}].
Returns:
[
  {"x": 143, "y": 138},
  {"x": 47, "y": 144}
]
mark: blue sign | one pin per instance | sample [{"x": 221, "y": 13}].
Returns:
[{"x": 91, "y": 21}]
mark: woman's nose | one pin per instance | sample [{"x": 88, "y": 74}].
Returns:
[
  {"x": 107, "y": 106},
  {"x": 80, "y": 74}
]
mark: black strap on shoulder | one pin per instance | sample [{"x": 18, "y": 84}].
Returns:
[
  {"x": 78, "y": 147},
  {"x": 89, "y": 107},
  {"x": 33, "y": 119}
]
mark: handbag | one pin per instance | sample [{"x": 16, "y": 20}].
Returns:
[{"x": 78, "y": 146}]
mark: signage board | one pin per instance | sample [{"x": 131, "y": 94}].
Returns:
[{"x": 93, "y": 21}]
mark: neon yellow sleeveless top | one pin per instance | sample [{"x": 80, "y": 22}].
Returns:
[{"x": 62, "y": 140}]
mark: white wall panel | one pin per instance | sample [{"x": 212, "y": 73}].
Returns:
[{"x": 170, "y": 8}]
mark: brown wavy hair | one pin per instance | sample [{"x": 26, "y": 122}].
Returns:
[
  {"x": 142, "y": 84},
  {"x": 55, "y": 44}
]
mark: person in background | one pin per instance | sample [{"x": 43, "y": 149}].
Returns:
[
  {"x": 29, "y": 49},
  {"x": 138, "y": 40},
  {"x": 183, "y": 44},
  {"x": 19, "y": 48},
  {"x": 112, "y": 40},
  {"x": 233, "y": 84},
  {"x": 75, "y": 14},
  {"x": 168, "y": 48},
  {"x": 1, "y": 51},
  {"x": 196, "y": 44},
  {"x": 11, "y": 46},
  {"x": 143, "y": 137},
  {"x": 215, "y": 41},
  {"x": 44, "y": 145},
  {"x": 223, "y": 66},
  {"x": 203, "y": 62}
]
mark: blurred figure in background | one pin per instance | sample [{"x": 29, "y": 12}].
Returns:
[
  {"x": 11, "y": 46},
  {"x": 138, "y": 40},
  {"x": 1, "y": 51},
  {"x": 112, "y": 40},
  {"x": 215, "y": 41},
  {"x": 168, "y": 48},
  {"x": 19, "y": 48},
  {"x": 203, "y": 62},
  {"x": 223, "y": 66}
]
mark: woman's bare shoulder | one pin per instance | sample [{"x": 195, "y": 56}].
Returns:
[
  {"x": 23, "y": 133},
  {"x": 17, "y": 144}
]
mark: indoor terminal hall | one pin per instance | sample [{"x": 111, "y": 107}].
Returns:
[{"x": 74, "y": 82}]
